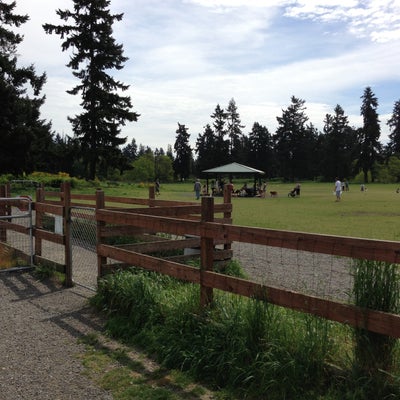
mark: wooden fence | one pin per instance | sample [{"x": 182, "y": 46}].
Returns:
[{"x": 196, "y": 225}]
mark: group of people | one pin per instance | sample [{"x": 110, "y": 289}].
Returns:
[{"x": 218, "y": 185}]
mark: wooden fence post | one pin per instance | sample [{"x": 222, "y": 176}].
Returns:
[
  {"x": 100, "y": 203},
  {"x": 39, "y": 220},
  {"x": 152, "y": 195},
  {"x": 206, "y": 251},
  {"x": 3, "y": 231},
  {"x": 228, "y": 199},
  {"x": 66, "y": 190}
]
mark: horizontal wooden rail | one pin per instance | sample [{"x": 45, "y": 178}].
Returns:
[
  {"x": 376, "y": 321},
  {"x": 49, "y": 208},
  {"x": 388, "y": 251},
  {"x": 150, "y": 222},
  {"x": 379, "y": 250},
  {"x": 176, "y": 270},
  {"x": 174, "y": 211},
  {"x": 49, "y": 236},
  {"x": 14, "y": 227}
]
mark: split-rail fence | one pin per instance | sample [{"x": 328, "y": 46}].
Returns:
[{"x": 194, "y": 225}]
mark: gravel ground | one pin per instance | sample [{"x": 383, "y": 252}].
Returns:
[{"x": 41, "y": 324}]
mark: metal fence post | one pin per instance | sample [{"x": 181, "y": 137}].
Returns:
[
  {"x": 39, "y": 220},
  {"x": 100, "y": 203},
  {"x": 66, "y": 189}
]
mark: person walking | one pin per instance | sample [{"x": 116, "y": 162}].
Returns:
[
  {"x": 338, "y": 189},
  {"x": 197, "y": 188}
]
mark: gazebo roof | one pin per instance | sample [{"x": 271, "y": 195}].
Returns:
[{"x": 233, "y": 168}]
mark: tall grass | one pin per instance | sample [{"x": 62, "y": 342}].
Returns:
[
  {"x": 376, "y": 287},
  {"x": 249, "y": 347}
]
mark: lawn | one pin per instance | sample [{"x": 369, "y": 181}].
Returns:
[{"x": 370, "y": 214}]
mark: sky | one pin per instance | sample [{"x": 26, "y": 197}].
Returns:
[{"x": 188, "y": 56}]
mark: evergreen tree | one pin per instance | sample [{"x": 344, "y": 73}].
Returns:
[
  {"x": 170, "y": 153},
  {"x": 260, "y": 148},
  {"x": 206, "y": 150},
  {"x": 130, "y": 150},
  {"x": 23, "y": 134},
  {"x": 183, "y": 153},
  {"x": 234, "y": 130},
  {"x": 67, "y": 153},
  {"x": 339, "y": 143},
  {"x": 394, "y": 125},
  {"x": 94, "y": 52},
  {"x": 369, "y": 138},
  {"x": 221, "y": 144},
  {"x": 290, "y": 142}
]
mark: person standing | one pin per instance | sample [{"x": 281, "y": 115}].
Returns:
[
  {"x": 197, "y": 188},
  {"x": 338, "y": 189}
]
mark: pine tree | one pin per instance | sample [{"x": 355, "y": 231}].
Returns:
[
  {"x": 183, "y": 159},
  {"x": 370, "y": 133},
  {"x": 260, "y": 148},
  {"x": 130, "y": 150},
  {"x": 94, "y": 53},
  {"x": 205, "y": 149},
  {"x": 339, "y": 144},
  {"x": 21, "y": 130},
  {"x": 221, "y": 144},
  {"x": 394, "y": 125},
  {"x": 234, "y": 130},
  {"x": 290, "y": 140}
]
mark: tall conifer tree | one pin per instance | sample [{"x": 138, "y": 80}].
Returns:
[
  {"x": 394, "y": 125},
  {"x": 339, "y": 145},
  {"x": 21, "y": 129},
  {"x": 234, "y": 130},
  {"x": 289, "y": 141},
  {"x": 370, "y": 133},
  {"x": 183, "y": 153},
  {"x": 88, "y": 33},
  {"x": 221, "y": 144}
]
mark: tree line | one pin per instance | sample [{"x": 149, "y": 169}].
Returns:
[{"x": 296, "y": 150}]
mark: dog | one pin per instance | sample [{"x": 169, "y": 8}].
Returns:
[{"x": 273, "y": 193}]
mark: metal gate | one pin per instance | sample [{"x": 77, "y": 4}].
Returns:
[
  {"x": 83, "y": 246},
  {"x": 16, "y": 243}
]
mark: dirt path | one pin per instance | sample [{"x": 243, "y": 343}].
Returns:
[{"x": 40, "y": 325}]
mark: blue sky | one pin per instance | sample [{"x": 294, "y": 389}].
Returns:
[{"x": 187, "y": 56}]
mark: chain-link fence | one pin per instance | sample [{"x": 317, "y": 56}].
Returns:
[{"x": 83, "y": 246}]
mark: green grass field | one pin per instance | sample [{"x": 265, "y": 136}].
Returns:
[{"x": 370, "y": 214}]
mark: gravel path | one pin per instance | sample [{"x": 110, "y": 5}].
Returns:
[{"x": 40, "y": 325}]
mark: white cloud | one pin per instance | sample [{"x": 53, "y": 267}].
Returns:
[
  {"x": 185, "y": 57},
  {"x": 369, "y": 18}
]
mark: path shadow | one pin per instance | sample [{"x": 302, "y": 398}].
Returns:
[{"x": 68, "y": 308}]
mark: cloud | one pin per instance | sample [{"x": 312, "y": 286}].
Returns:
[
  {"x": 369, "y": 18},
  {"x": 185, "y": 57}
]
